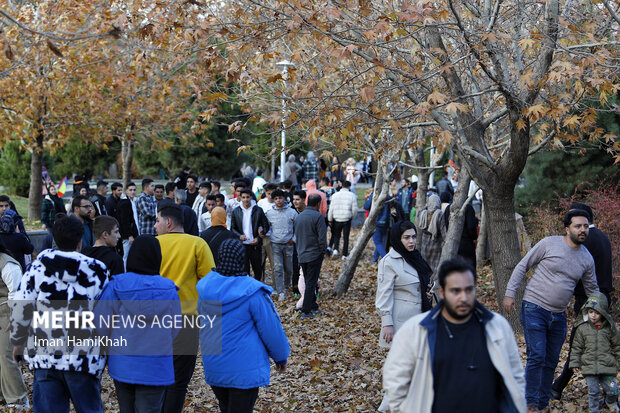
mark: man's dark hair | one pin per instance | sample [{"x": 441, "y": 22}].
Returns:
[
  {"x": 130, "y": 184},
  {"x": 239, "y": 184},
  {"x": 445, "y": 197},
  {"x": 346, "y": 184},
  {"x": 77, "y": 201},
  {"x": 453, "y": 265},
  {"x": 104, "y": 223},
  {"x": 170, "y": 186},
  {"x": 216, "y": 184},
  {"x": 278, "y": 193},
  {"x": 5, "y": 198},
  {"x": 245, "y": 191},
  {"x": 287, "y": 184},
  {"x": 67, "y": 232},
  {"x": 186, "y": 168},
  {"x": 444, "y": 174},
  {"x": 301, "y": 194},
  {"x": 247, "y": 182},
  {"x": 219, "y": 196},
  {"x": 194, "y": 177},
  {"x": 159, "y": 186},
  {"x": 145, "y": 182},
  {"x": 575, "y": 213},
  {"x": 270, "y": 186},
  {"x": 325, "y": 180},
  {"x": 205, "y": 185},
  {"x": 115, "y": 186},
  {"x": 583, "y": 207},
  {"x": 168, "y": 209},
  {"x": 314, "y": 200},
  {"x": 211, "y": 197},
  {"x": 101, "y": 184}
]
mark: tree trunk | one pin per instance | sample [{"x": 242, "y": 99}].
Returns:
[
  {"x": 505, "y": 251},
  {"x": 451, "y": 245},
  {"x": 127, "y": 148},
  {"x": 35, "y": 194},
  {"x": 382, "y": 186},
  {"x": 481, "y": 246}
]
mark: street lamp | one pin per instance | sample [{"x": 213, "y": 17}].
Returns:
[{"x": 283, "y": 65}]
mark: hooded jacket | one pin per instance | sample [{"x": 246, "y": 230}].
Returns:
[
  {"x": 251, "y": 331},
  {"x": 596, "y": 351},
  {"x": 58, "y": 276},
  {"x": 408, "y": 375},
  {"x": 311, "y": 189}
]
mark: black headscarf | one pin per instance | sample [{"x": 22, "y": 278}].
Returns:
[
  {"x": 231, "y": 258},
  {"x": 144, "y": 256},
  {"x": 413, "y": 258}
]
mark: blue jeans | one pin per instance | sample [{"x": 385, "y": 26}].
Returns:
[
  {"x": 544, "y": 333},
  {"x": 379, "y": 238},
  {"x": 52, "y": 390},
  {"x": 282, "y": 266}
]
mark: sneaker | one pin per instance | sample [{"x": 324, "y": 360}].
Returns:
[
  {"x": 297, "y": 309},
  {"x": 344, "y": 258},
  {"x": 16, "y": 406},
  {"x": 281, "y": 297},
  {"x": 555, "y": 395},
  {"x": 335, "y": 252},
  {"x": 329, "y": 251},
  {"x": 307, "y": 315},
  {"x": 317, "y": 311}
]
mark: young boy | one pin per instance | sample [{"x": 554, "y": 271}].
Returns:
[
  {"x": 596, "y": 351},
  {"x": 107, "y": 235}
]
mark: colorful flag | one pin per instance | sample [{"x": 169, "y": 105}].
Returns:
[{"x": 62, "y": 188}]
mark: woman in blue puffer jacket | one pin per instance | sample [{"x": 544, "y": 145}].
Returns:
[{"x": 251, "y": 332}]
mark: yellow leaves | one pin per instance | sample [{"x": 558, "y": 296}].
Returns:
[
  {"x": 571, "y": 122},
  {"x": 242, "y": 148},
  {"x": 536, "y": 112},
  {"x": 235, "y": 127},
  {"x": 274, "y": 78},
  {"x": 525, "y": 44},
  {"x": 521, "y": 124},
  {"x": 528, "y": 78},
  {"x": 368, "y": 94},
  {"x": 216, "y": 96},
  {"x": 436, "y": 98},
  {"x": 454, "y": 107}
]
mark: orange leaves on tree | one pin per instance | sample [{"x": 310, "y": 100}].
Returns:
[
  {"x": 535, "y": 112},
  {"x": 436, "y": 98},
  {"x": 454, "y": 107},
  {"x": 368, "y": 94}
]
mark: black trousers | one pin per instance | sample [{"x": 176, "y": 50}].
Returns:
[
  {"x": 184, "y": 363},
  {"x": 296, "y": 268},
  {"x": 232, "y": 400},
  {"x": 137, "y": 398},
  {"x": 567, "y": 373},
  {"x": 339, "y": 228},
  {"x": 311, "y": 270},
  {"x": 254, "y": 259}
]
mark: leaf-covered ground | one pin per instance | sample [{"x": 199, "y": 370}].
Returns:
[{"x": 335, "y": 363}]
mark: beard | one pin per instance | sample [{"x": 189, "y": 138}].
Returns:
[
  {"x": 576, "y": 239},
  {"x": 454, "y": 314}
]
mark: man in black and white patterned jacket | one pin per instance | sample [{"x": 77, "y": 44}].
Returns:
[{"x": 57, "y": 280}]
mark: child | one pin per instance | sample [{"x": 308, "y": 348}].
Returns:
[{"x": 596, "y": 351}]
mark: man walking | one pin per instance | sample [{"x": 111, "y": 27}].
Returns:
[
  {"x": 128, "y": 219},
  {"x": 561, "y": 261},
  {"x": 458, "y": 357},
  {"x": 99, "y": 199},
  {"x": 311, "y": 241},
  {"x": 111, "y": 203},
  {"x": 281, "y": 220},
  {"x": 185, "y": 259},
  {"x": 249, "y": 223},
  {"x": 147, "y": 208},
  {"x": 82, "y": 208},
  {"x": 340, "y": 214}
]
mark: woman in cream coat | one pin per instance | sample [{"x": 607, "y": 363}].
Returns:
[{"x": 402, "y": 284}]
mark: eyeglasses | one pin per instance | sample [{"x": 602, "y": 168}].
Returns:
[{"x": 86, "y": 206}]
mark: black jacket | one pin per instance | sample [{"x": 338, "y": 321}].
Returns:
[
  {"x": 108, "y": 256},
  {"x": 99, "y": 204},
  {"x": 112, "y": 204},
  {"x": 214, "y": 236},
  {"x": 128, "y": 227},
  {"x": 258, "y": 220},
  {"x": 190, "y": 221},
  {"x": 599, "y": 246}
]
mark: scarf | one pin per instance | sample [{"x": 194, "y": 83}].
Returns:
[
  {"x": 433, "y": 205},
  {"x": 7, "y": 222},
  {"x": 144, "y": 256},
  {"x": 231, "y": 258},
  {"x": 413, "y": 258}
]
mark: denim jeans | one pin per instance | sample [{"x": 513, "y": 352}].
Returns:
[
  {"x": 544, "y": 333},
  {"x": 609, "y": 385},
  {"x": 138, "y": 398},
  {"x": 52, "y": 390},
  {"x": 282, "y": 266},
  {"x": 379, "y": 238}
]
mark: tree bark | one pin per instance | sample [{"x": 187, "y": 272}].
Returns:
[
  {"x": 35, "y": 193},
  {"x": 382, "y": 187},
  {"x": 451, "y": 245},
  {"x": 127, "y": 149},
  {"x": 481, "y": 246}
]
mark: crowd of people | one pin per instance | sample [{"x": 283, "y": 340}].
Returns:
[{"x": 187, "y": 243}]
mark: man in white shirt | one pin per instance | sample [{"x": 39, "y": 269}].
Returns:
[
  {"x": 266, "y": 204},
  {"x": 204, "y": 222}
]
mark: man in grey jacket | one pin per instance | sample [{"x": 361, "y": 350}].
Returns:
[
  {"x": 281, "y": 221},
  {"x": 458, "y": 357},
  {"x": 311, "y": 241}
]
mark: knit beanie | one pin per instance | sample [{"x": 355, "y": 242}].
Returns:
[
  {"x": 231, "y": 258},
  {"x": 144, "y": 256},
  {"x": 218, "y": 217}
]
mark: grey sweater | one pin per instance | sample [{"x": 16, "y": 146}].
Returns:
[
  {"x": 558, "y": 269},
  {"x": 310, "y": 235}
]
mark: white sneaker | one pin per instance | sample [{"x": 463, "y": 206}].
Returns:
[
  {"x": 344, "y": 258},
  {"x": 14, "y": 406},
  {"x": 282, "y": 297},
  {"x": 335, "y": 252}
]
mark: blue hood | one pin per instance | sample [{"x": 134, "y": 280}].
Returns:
[
  {"x": 232, "y": 291},
  {"x": 141, "y": 291}
]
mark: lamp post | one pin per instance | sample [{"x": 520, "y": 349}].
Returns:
[{"x": 283, "y": 65}]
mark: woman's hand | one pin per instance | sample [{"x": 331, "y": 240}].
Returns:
[
  {"x": 388, "y": 333},
  {"x": 280, "y": 368}
]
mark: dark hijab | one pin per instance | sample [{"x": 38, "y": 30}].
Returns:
[
  {"x": 231, "y": 258},
  {"x": 413, "y": 258},
  {"x": 144, "y": 256}
]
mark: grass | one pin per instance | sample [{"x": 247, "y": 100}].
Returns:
[{"x": 21, "y": 204}]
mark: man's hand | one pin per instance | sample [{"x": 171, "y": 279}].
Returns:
[
  {"x": 509, "y": 304},
  {"x": 18, "y": 354},
  {"x": 291, "y": 242},
  {"x": 243, "y": 238},
  {"x": 130, "y": 239},
  {"x": 388, "y": 333},
  {"x": 260, "y": 232},
  {"x": 254, "y": 241}
]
